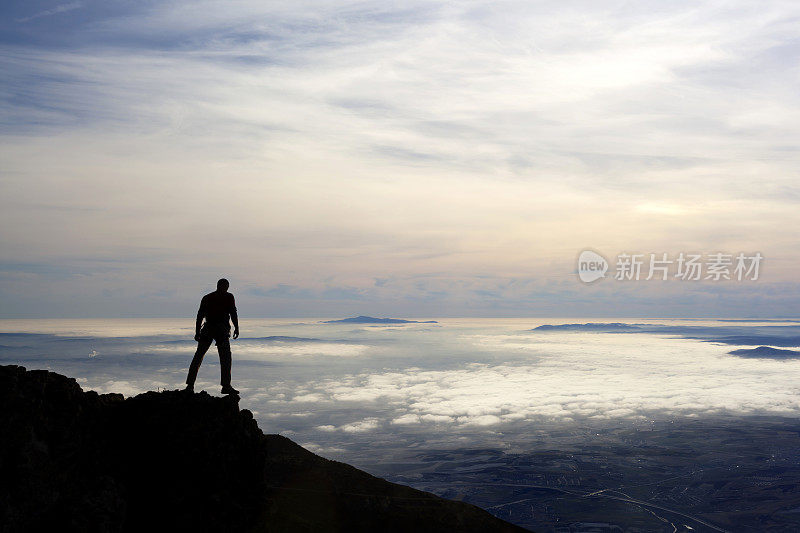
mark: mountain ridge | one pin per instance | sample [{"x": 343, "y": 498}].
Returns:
[{"x": 363, "y": 319}]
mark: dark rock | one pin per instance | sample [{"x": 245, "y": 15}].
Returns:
[{"x": 78, "y": 461}]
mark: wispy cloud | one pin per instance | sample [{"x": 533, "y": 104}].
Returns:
[
  {"x": 53, "y": 11},
  {"x": 363, "y": 140}
]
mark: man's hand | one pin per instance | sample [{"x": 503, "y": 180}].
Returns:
[{"x": 236, "y": 333}]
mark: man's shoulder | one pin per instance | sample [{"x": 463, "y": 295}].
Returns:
[{"x": 218, "y": 296}]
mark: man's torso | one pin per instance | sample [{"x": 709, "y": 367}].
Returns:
[{"x": 217, "y": 307}]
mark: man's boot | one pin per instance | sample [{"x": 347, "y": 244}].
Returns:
[{"x": 227, "y": 389}]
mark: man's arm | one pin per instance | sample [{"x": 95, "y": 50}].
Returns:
[
  {"x": 201, "y": 313},
  {"x": 234, "y": 318}
]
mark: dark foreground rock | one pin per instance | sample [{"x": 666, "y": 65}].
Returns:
[{"x": 78, "y": 461}]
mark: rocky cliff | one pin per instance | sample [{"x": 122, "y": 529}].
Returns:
[{"x": 78, "y": 461}]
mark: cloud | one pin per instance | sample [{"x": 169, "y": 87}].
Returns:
[
  {"x": 468, "y": 382},
  {"x": 359, "y": 426},
  {"x": 311, "y": 398},
  {"x": 127, "y": 388},
  {"x": 407, "y": 419},
  {"x": 61, "y": 8},
  {"x": 261, "y": 351},
  {"x": 362, "y": 425},
  {"x": 569, "y": 378},
  {"x": 451, "y": 149}
]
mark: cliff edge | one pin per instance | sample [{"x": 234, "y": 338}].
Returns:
[{"x": 78, "y": 461}]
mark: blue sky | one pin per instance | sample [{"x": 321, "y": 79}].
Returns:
[{"x": 420, "y": 159}]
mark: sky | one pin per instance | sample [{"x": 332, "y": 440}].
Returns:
[{"x": 411, "y": 159}]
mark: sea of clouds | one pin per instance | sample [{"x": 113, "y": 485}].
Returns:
[{"x": 333, "y": 387}]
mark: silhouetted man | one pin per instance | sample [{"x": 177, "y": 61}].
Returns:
[{"x": 216, "y": 307}]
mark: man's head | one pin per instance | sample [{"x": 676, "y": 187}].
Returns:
[{"x": 222, "y": 285}]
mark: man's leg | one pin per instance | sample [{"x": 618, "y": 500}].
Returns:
[
  {"x": 224, "y": 349},
  {"x": 202, "y": 348}
]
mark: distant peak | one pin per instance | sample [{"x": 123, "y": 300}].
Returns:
[
  {"x": 766, "y": 352},
  {"x": 362, "y": 319},
  {"x": 589, "y": 326}
]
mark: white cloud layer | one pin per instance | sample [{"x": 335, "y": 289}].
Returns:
[
  {"x": 459, "y": 383},
  {"x": 619, "y": 377}
]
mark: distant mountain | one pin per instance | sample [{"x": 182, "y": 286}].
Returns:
[
  {"x": 766, "y": 352},
  {"x": 372, "y": 320},
  {"x": 763, "y": 335},
  {"x": 174, "y": 461},
  {"x": 589, "y": 326}
]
